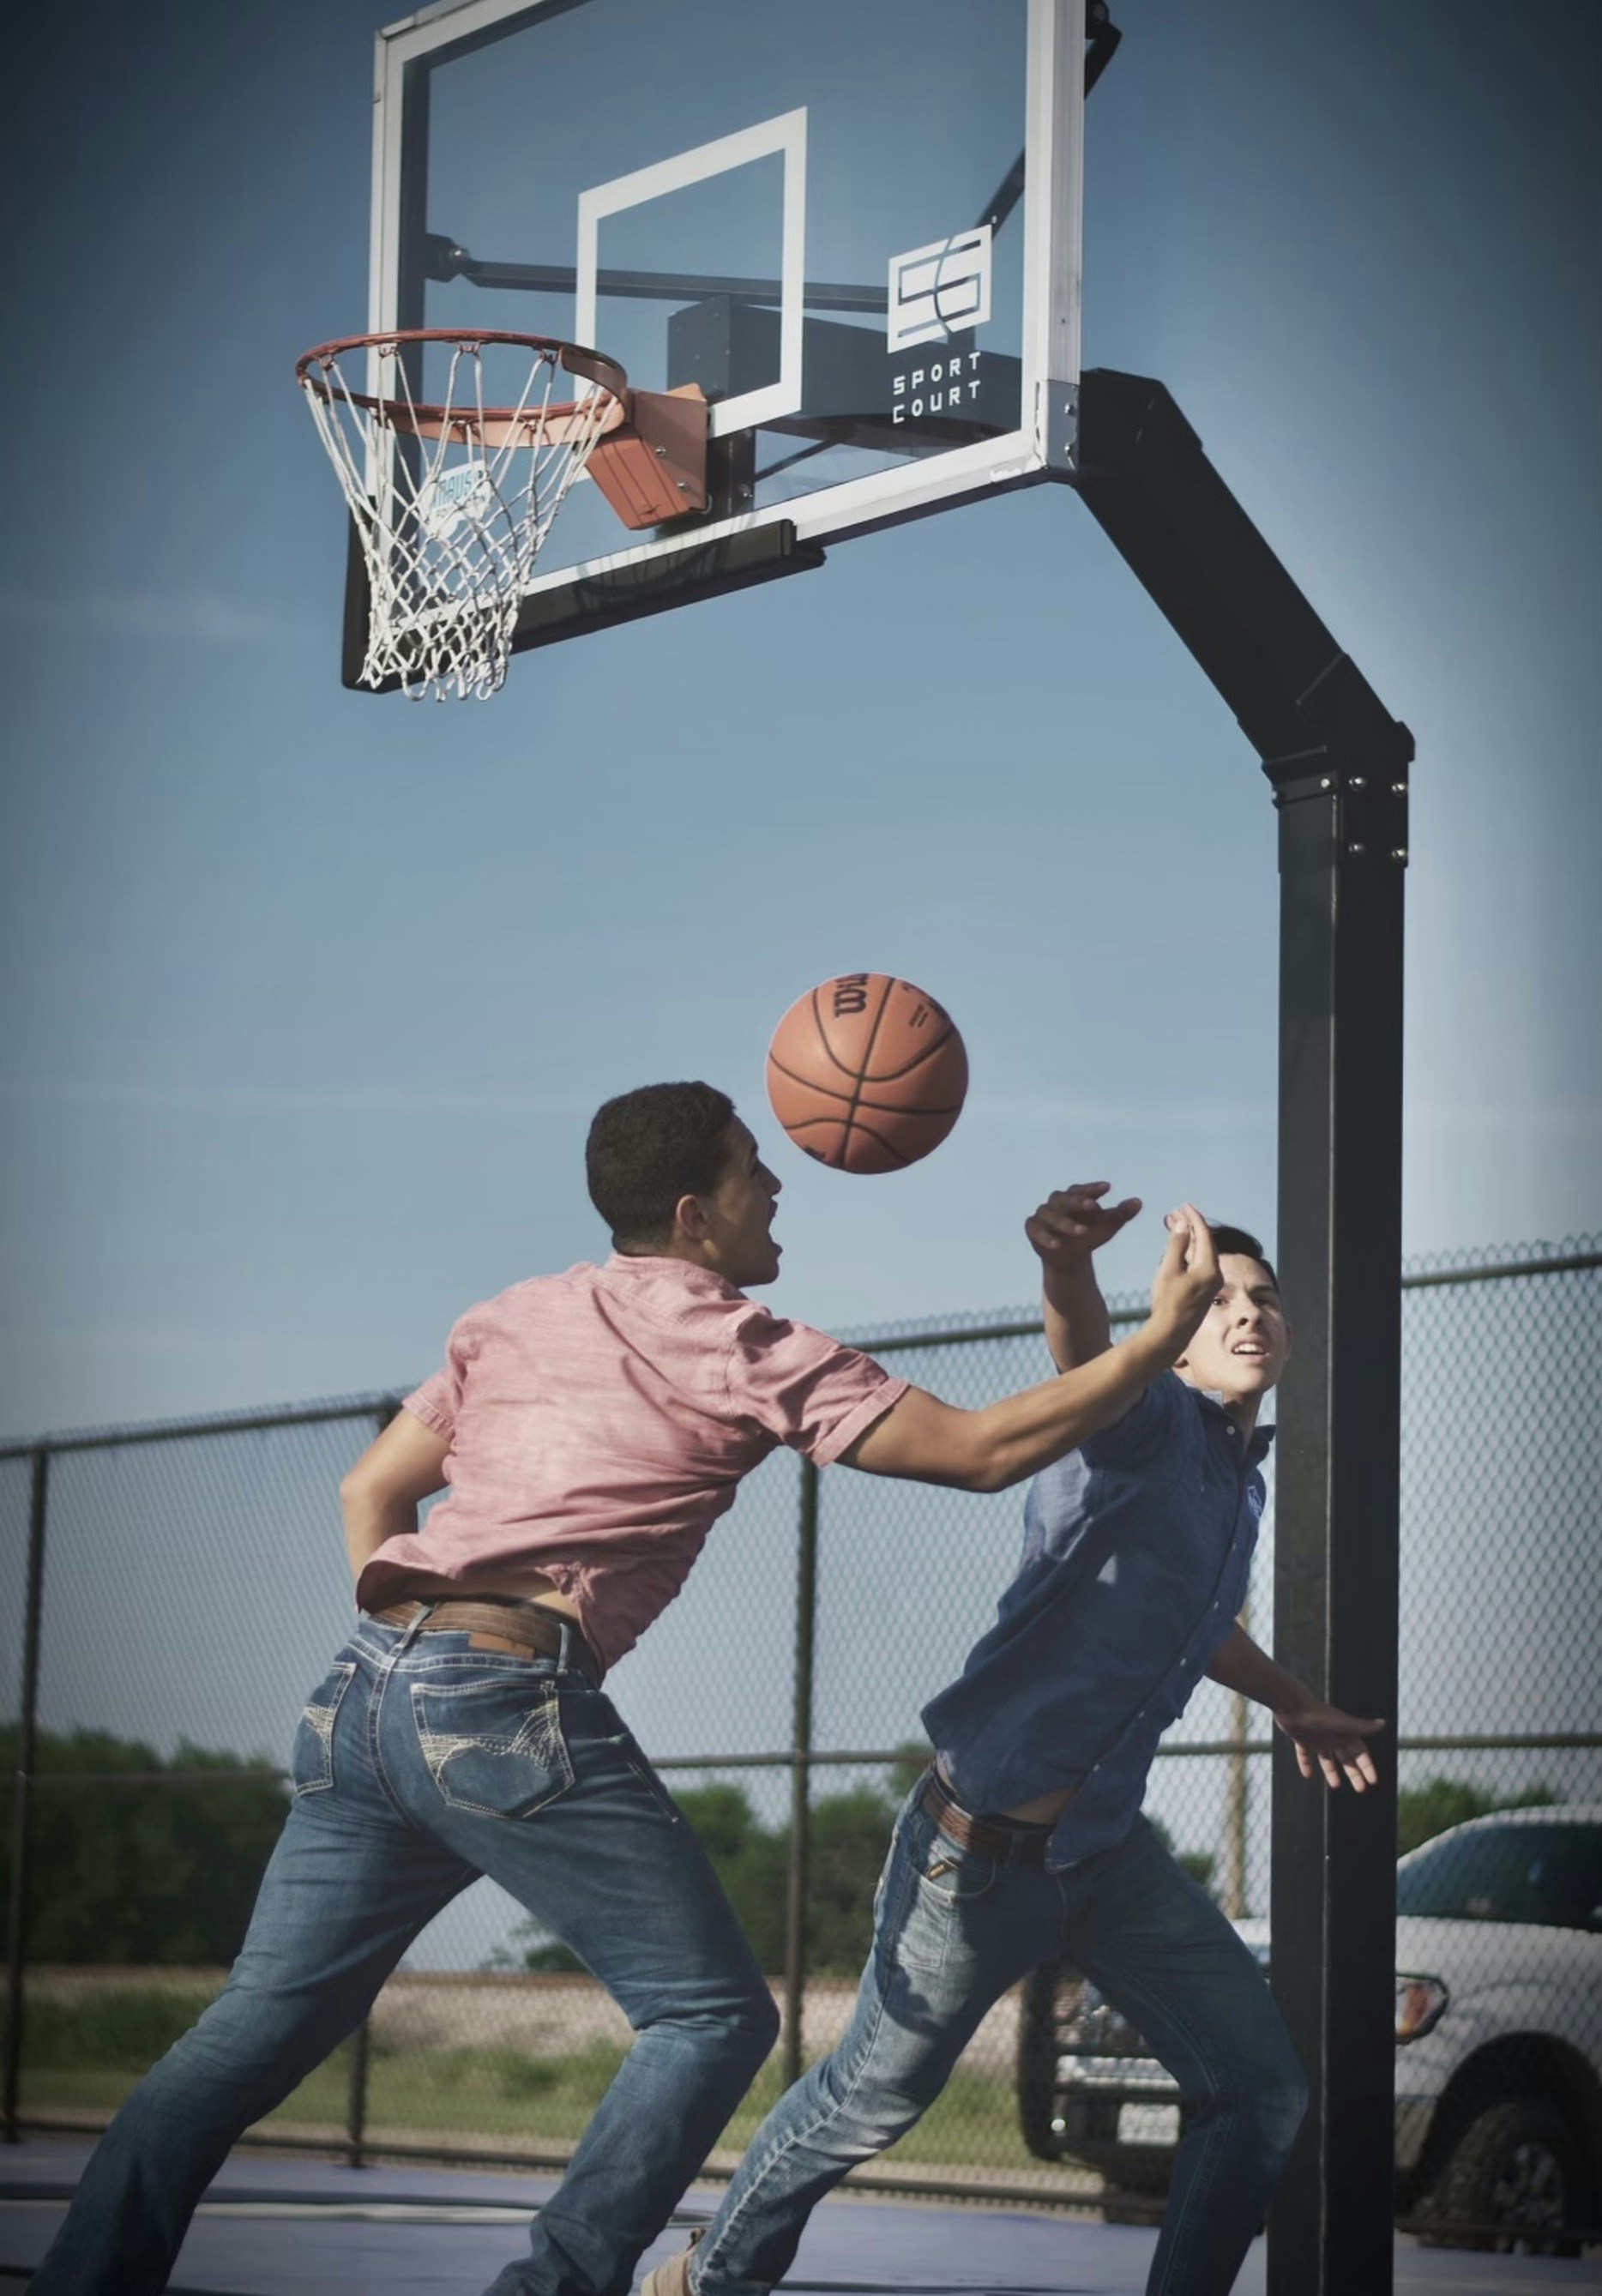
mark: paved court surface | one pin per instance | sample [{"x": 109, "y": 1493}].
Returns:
[{"x": 276, "y": 2228}]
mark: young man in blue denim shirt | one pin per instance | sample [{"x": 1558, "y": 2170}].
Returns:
[{"x": 1025, "y": 1840}]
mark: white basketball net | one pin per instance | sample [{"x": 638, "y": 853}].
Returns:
[{"x": 452, "y": 499}]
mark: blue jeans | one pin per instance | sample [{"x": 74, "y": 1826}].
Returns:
[
  {"x": 953, "y": 1928},
  {"x": 420, "y": 1764}
]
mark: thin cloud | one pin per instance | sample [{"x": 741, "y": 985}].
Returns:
[
  {"x": 93, "y": 1092},
  {"x": 193, "y": 618}
]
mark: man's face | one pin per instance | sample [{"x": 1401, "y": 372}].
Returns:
[
  {"x": 1240, "y": 1349},
  {"x": 739, "y": 1213}
]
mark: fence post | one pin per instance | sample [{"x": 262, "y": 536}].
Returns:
[
  {"x": 16, "y": 1941},
  {"x": 356, "y": 2102},
  {"x": 355, "y": 2096},
  {"x": 1237, "y": 1815},
  {"x": 794, "y": 1917}
]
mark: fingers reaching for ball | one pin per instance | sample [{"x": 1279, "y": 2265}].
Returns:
[{"x": 1074, "y": 1222}]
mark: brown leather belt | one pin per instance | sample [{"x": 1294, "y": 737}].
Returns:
[
  {"x": 1008, "y": 1840},
  {"x": 506, "y": 1622}
]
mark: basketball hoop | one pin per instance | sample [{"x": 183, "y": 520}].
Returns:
[{"x": 452, "y": 498}]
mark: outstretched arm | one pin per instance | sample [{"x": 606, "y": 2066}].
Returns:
[
  {"x": 1325, "y": 1738},
  {"x": 926, "y": 1440},
  {"x": 381, "y": 1492},
  {"x": 1071, "y": 1225}
]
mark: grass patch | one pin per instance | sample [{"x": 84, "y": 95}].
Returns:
[
  {"x": 117, "y": 2032},
  {"x": 88, "y": 2057}
]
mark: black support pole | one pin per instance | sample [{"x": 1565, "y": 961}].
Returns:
[
  {"x": 16, "y": 1922},
  {"x": 1338, "y": 765},
  {"x": 1335, "y": 1590}
]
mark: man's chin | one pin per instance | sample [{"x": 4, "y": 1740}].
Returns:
[{"x": 1251, "y": 1379}]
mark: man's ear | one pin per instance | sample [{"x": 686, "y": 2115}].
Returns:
[{"x": 690, "y": 1219}]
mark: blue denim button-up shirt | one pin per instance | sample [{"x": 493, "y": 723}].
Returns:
[{"x": 1136, "y": 1550}]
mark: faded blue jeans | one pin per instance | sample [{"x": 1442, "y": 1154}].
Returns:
[
  {"x": 953, "y": 1928},
  {"x": 420, "y": 1764}
]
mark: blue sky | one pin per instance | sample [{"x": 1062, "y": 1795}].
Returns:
[{"x": 308, "y": 996}]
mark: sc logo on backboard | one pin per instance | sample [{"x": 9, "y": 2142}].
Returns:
[{"x": 939, "y": 290}]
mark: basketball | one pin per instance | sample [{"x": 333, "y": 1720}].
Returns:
[{"x": 867, "y": 1073}]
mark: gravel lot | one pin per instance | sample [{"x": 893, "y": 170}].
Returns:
[{"x": 549, "y": 2016}]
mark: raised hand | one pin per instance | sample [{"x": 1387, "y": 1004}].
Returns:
[
  {"x": 1186, "y": 1283},
  {"x": 1074, "y": 1222}
]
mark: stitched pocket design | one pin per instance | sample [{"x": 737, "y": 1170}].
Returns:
[
  {"x": 493, "y": 1744},
  {"x": 312, "y": 1757}
]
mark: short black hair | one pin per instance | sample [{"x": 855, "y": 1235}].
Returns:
[
  {"x": 648, "y": 1148},
  {"x": 1242, "y": 1241}
]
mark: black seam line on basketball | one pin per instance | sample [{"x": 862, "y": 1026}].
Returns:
[
  {"x": 888, "y": 1146},
  {"x": 867, "y": 1056},
  {"x": 810, "y": 1083},
  {"x": 830, "y": 1053},
  {"x": 834, "y": 1124},
  {"x": 818, "y": 1123},
  {"x": 894, "y": 1107},
  {"x": 880, "y": 1107},
  {"x": 924, "y": 1052}
]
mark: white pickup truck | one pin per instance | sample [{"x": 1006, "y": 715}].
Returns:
[{"x": 1498, "y": 2046}]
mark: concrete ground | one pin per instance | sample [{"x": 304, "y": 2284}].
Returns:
[{"x": 291, "y": 2227}]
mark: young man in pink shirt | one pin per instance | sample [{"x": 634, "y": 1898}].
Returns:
[{"x": 591, "y": 1428}]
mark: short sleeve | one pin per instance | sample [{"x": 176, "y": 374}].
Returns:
[
  {"x": 438, "y": 1401},
  {"x": 806, "y": 1389},
  {"x": 1146, "y": 1429}
]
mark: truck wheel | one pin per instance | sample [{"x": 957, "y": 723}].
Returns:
[{"x": 1517, "y": 2171}]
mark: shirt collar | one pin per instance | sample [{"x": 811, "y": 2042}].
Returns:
[
  {"x": 664, "y": 1267},
  {"x": 1261, "y": 1436}
]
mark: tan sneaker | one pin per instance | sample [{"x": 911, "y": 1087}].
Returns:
[{"x": 672, "y": 2278}]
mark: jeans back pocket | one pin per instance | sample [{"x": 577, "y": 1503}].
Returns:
[
  {"x": 312, "y": 1756},
  {"x": 493, "y": 1743}
]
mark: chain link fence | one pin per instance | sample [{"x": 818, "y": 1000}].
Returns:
[{"x": 170, "y": 1593}]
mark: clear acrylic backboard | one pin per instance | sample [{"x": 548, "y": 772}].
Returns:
[{"x": 852, "y": 224}]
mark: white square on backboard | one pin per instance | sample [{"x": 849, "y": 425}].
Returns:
[{"x": 785, "y": 136}]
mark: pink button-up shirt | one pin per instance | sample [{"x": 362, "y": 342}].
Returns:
[{"x": 599, "y": 1422}]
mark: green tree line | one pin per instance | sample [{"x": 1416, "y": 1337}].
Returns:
[
  {"x": 138, "y": 1859},
  {"x": 123, "y": 1872}
]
